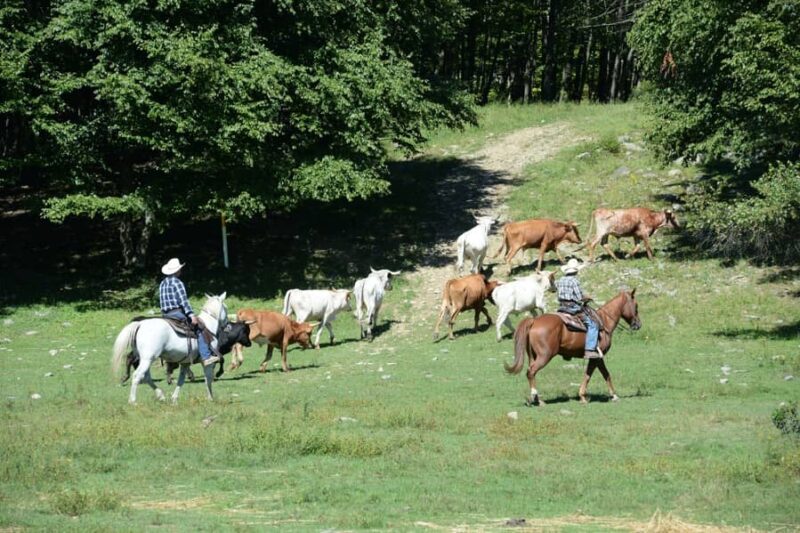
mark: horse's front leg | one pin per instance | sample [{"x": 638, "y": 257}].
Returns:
[
  {"x": 181, "y": 380},
  {"x": 587, "y": 375},
  {"x": 601, "y": 364}
]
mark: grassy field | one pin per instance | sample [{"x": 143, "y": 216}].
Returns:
[{"x": 404, "y": 433}]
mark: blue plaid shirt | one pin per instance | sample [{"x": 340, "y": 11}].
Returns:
[
  {"x": 569, "y": 289},
  {"x": 173, "y": 296}
]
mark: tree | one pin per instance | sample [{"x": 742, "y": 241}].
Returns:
[
  {"x": 725, "y": 78},
  {"x": 147, "y": 112}
]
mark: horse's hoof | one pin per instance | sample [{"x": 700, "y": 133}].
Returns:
[
  {"x": 584, "y": 401},
  {"x": 615, "y": 398}
]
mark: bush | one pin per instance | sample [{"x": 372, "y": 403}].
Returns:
[
  {"x": 73, "y": 502},
  {"x": 786, "y": 419},
  {"x": 762, "y": 226}
]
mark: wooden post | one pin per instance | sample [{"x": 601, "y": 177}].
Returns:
[{"x": 224, "y": 240}]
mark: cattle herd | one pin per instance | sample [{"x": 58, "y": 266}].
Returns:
[{"x": 465, "y": 293}]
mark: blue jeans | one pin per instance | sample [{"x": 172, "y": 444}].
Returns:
[
  {"x": 202, "y": 344},
  {"x": 592, "y": 331}
]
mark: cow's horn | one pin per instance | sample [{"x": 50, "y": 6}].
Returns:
[
  {"x": 393, "y": 273},
  {"x": 372, "y": 269},
  {"x": 232, "y": 318},
  {"x": 249, "y": 322},
  {"x": 313, "y": 324}
]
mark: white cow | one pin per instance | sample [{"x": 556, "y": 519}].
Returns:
[
  {"x": 369, "y": 297},
  {"x": 319, "y": 305},
  {"x": 522, "y": 294},
  {"x": 474, "y": 243}
]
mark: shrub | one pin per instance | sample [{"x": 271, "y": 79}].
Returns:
[
  {"x": 786, "y": 419},
  {"x": 762, "y": 226}
]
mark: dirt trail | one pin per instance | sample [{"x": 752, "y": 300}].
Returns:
[{"x": 500, "y": 163}]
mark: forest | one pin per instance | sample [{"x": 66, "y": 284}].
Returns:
[{"x": 151, "y": 111}]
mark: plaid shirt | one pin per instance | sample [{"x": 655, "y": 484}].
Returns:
[
  {"x": 569, "y": 289},
  {"x": 173, "y": 296}
]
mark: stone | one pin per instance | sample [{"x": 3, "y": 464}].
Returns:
[
  {"x": 674, "y": 173},
  {"x": 36, "y": 396},
  {"x": 583, "y": 155},
  {"x": 788, "y": 377},
  {"x": 513, "y": 415},
  {"x": 723, "y": 381},
  {"x": 622, "y": 171}
]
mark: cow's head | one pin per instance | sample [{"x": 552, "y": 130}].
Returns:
[
  {"x": 547, "y": 280},
  {"x": 385, "y": 275},
  {"x": 571, "y": 234},
  {"x": 490, "y": 286},
  {"x": 302, "y": 332},
  {"x": 234, "y": 332},
  {"x": 485, "y": 221},
  {"x": 670, "y": 220}
]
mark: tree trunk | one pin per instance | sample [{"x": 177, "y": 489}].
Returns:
[
  {"x": 135, "y": 247},
  {"x": 549, "y": 49}
]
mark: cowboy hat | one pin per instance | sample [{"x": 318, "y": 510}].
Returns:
[
  {"x": 572, "y": 266},
  {"x": 172, "y": 266}
]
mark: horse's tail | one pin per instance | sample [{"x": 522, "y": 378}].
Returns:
[
  {"x": 521, "y": 345},
  {"x": 123, "y": 346},
  {"x": 287, "y": 310},
  {"x": 504, "y": 245}
]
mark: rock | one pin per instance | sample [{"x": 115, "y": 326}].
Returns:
[
  {"x": 256, "y": 391},
  {"x": 7, "y": 322},
  {"x": 723, "y": 381},
  {"x": 49, "y": 375},
  {"x": 631, "y": 147},
  {"x": 53, "y": 352},
  {"x": 346, "y": 419},
  {"x": 689, "y": 370},
  {"x": 513, "y": 415},
  {"x": 788, "y": 377},
  {"x": 672, "y": 321},
  {"x": 386, "y": 376},
  {"x": 679, "y": 161},
  {"x": 36, "y": 396},
  {"x": 726, "y": 370},
  {"x": 622, "y": 171},
  {"x": 31, "y": 332},
  {"x": 516, "y": 522},
  {"x": 675, "y": 173},
  {"x": 699, "y": 158},
  {"x": 623, "y": 139},
  {"x": 583, "y": 155},
  {"x": 67, "y": 367},
  {"x": 565, "y": 412}
]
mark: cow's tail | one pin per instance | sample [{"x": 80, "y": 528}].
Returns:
[
  {"x": 358, "y": 293},
  {"x": 461, "y": 244},
  {"x": 287, "y": 309},
  {"x": 521, "y": 346},
  {"x": 123, "y": 345},
  {"x": 504, "y": 245},
  {"x": 588, "y": 238}
]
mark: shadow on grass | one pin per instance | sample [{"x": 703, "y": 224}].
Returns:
[
  {"x": 781, "y": 332},
  {"x": 432, "y": 201},
  {"x": 592, "y": 397}
]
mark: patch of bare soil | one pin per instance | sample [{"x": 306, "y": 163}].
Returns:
[
  {"x": 490, "y": 172},
  {"x": 658, "y": 523}
]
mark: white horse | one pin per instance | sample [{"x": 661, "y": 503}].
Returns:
[{"x": 154, "y": 338}]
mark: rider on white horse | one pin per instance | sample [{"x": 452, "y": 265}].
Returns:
[{"x": 175, "y": 305}]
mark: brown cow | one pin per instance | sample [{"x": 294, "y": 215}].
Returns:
[
  {"x": 469, "y": 292},
  {"x": 637, "y": 222},
  {"x": 274, "y": 329},
  {"x": 542, "y": 233}
]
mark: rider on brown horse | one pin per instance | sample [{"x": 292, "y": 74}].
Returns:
[{"x": 572, "y": 300}]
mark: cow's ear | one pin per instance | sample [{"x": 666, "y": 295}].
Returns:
[
  {"x": 372, "y": 269},
  {"x": 633, "y": 293}
]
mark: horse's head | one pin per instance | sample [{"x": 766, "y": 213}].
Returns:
[
  {"x": 630, "y": 310},
  {"x": 215, "y": 306}
]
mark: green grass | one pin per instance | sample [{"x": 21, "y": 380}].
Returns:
[{"x": 403, "y": 430}]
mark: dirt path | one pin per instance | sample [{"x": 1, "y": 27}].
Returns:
[{"x": 498, "y": 165}]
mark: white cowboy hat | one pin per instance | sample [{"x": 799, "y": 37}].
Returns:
[
  {"x": 172, "y": 266},
  {"x": 572, "y": 266}
]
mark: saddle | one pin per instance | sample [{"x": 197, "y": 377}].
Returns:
[
  {"x": 572, "y": 322},
  {"x": 186, "y": 329}
]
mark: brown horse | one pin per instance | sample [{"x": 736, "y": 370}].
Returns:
[{"x": 545, "y": 336}]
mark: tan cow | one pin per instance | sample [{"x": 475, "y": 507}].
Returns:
[
  {"x": 542, "y": 233},
  {"x": 469, "y": 292},
  {"x": 274, "y": 329},
  {"x": 637, "y": 222}
]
